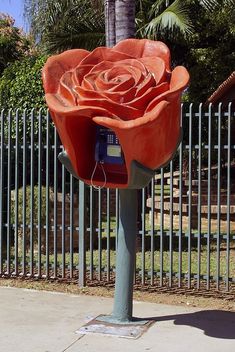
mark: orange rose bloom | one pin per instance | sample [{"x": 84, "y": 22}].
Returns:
[{"x": 129, "y": 89}]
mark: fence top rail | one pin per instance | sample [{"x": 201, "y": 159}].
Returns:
[{"x": 220, "y": 106}]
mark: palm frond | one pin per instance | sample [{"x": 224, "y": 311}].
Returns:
[
  {"x": 157, "y": 6},
  {"x": 229, "y": 3},
  {"x": 79, "y": 26},
  {"x": 58, "y": 42},
  {"x": 47, "y": 17},
  {"x": 209, "y": 5},
  {"x": 175, "y": 16}
]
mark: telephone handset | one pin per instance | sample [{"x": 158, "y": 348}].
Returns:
[{"x": 107, "y": 148}]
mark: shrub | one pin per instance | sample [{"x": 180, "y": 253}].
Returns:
[
  {"x": 28, "y": 210},
  {"x": 21, "y": 84},
  {"x": 21, "y": 88}
]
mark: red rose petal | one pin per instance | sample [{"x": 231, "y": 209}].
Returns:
[
  {"x": 122, "y": 111},
  {"x": 66, "y": 87},
  {"x": 124, "y": 84},
  {"x": 179, "y": 81},
  {"x": 56, "y": 104},
  {"x": 58, "y": 64},
  {"x": 85, "y": 94},
  {"x": 88, "y": 81},
  {"x": 144, "y": 48},
  {"x": 104, "y": 54},
  {"x": 157, "y": 67},
  {"x": 79, "y": 73},
  {"x": 147, "y": 83},
  {"x": 143, "y": 101}
]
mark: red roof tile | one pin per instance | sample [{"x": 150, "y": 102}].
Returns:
[{"x": 222, "y": 89}]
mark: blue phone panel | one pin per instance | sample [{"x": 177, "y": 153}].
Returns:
[{"x": 108, "y": 149}]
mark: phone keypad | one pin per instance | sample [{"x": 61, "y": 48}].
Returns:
[{"x": 110, "y": 139}]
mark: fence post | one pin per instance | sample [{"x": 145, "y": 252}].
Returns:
[
  {"x": 3, "y": 198},
  {"x": 82, "y": 233}
]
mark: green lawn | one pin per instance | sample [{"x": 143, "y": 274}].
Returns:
[{"x": 145, "y": 261}]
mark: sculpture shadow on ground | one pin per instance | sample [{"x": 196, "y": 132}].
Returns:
[{"x": 215, "y": 323}]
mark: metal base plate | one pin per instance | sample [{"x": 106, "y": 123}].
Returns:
[{"x": 100, "y": 325}]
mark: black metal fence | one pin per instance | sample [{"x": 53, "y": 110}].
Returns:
[{"x": 53, "y": 226}]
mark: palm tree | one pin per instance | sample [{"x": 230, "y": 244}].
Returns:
[
  {"x": 171, "y": 16},
  {"x": 63, "y": 24},
  {"x": 110, "y": 30},
  {"x": 152, "y": 17},
  {"x": 119, "y": 20},
  {"x": 125, "y": 19},
  {"x": 75, "y": 24}
]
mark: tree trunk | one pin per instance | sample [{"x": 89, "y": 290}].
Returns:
[
  {"x": 125, "y": 19},
  {"x": 110, "y": 32}
]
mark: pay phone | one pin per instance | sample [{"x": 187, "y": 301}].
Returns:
[{"x": 107, "y": 147}]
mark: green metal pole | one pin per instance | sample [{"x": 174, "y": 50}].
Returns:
[{"x": 125, "y": 262}]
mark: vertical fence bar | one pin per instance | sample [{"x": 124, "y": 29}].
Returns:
[
  {"x": 199, "y": 209},
  {"x": 209, "y": 199},
  {"x": 228, "y": 198},
  {"x": 190, "y": 196},
  {"x": 143, "y": 238},
  {"x": 161, "y": 227},
  {"x": 1, "y": 193},
  {"x": 171, "y": 227},
  {"x": 180, "y": 204},
  {"x": 108, "y": 234},
  {"x": 24, "y": 234},
  {"x": 63, "y": 222},
  {"x": 82, "y": 232},
  {"x": 16, "y": 191},
  {"x": 91, "y": 232},
  {"x": 55, "y": 220},
  {"x": 117, "y": 218},
  {"x": 47, "y": 194},
  {"x": 32, "y": 196},
  {"x": 71, "y": 242},
  {"x": 152, "y": 232},
  {"x": 39, "y": 215},
  {"x": 218, "y": 199},
  {"x": 99, "y": 235},
  {"x": 9, "y": 144}
]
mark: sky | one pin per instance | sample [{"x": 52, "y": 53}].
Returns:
[{"x": 15, "y": 9}]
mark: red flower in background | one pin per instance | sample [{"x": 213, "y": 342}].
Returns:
[{"x": 128, "y": 88}]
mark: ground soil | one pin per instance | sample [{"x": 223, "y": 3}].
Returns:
[{"x": 204, "y": 299}]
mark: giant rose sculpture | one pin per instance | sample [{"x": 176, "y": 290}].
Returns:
[{"x": 129, "y": 89}]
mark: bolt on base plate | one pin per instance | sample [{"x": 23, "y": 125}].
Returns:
[{"x": 105, "y": 325}]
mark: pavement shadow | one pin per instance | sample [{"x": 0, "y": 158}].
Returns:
[{"x": 215, "y": 323}]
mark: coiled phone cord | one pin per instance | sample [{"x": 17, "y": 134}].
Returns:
[{"x": 93, "y": 174}]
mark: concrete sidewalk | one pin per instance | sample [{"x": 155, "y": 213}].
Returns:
[{"x": 35, "y": 321}]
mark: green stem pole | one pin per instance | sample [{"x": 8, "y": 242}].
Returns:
[{"x": 125, "y": 261}]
